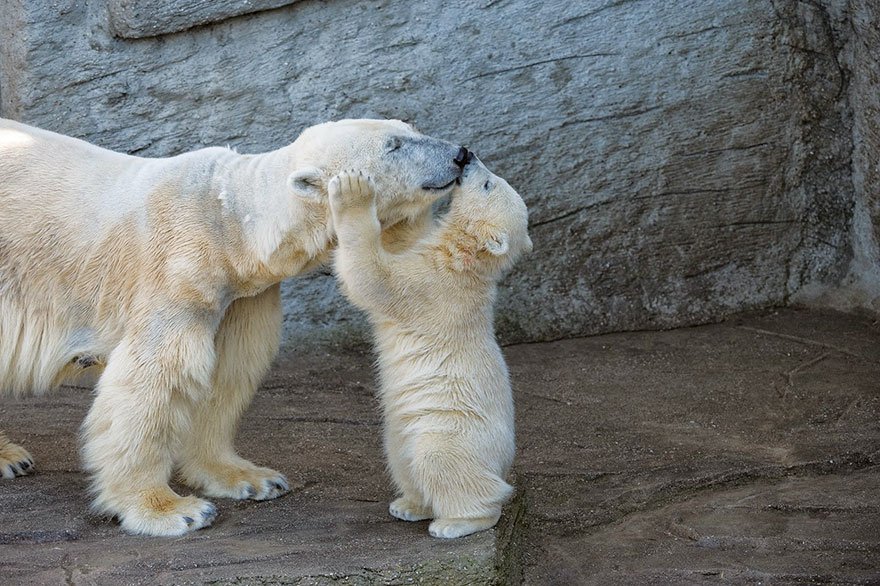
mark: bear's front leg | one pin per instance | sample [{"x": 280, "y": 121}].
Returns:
[
  {"x": 144, "y": 403},
  {"x": 246, "y": 343}
]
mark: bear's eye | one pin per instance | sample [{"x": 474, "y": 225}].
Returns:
[
  {"x": 488, "y": 185},
  {"x": 393, "y": 144}
]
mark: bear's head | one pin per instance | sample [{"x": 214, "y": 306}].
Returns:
[
  {"x": 410, "y": 170},
  {"x": 490, "y": 220}
]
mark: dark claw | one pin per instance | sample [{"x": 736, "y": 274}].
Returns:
[
  {"x": 24, "y": 465},
  {"x": 251, "y": 492},
  {"x": 189, "y": 520},
  {"x": 281, "y": 484},
  {"x": 209, "y": 512}
]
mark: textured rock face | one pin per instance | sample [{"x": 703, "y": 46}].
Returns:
[
  {"x": 866, "y": 140},
  {"x": 866, "y": 134},
  {"x": 857, "y": 26},
  {"x": 682, "y": 160}
]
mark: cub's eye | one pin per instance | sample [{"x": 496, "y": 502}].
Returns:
[
  {"x": 393, "y": 144},
  {"x": 488, "y": 185}
]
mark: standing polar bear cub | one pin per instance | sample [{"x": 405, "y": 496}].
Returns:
[
  {"x": 445, "y": 392},
  {"x": 163, "y": 275}
]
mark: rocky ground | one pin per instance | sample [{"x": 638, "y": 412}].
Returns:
[{"x": 743, "y": 452}]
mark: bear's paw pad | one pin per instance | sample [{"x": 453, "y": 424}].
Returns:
[{"x": 351, "y": 188}]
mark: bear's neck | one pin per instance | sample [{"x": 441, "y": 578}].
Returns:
[{"x": 280, "y": 235}]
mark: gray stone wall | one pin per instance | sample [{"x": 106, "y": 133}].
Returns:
[
  {"x": 864, "y": 276},
  {"x": 682, "y": 160},
  {"x": 856, "y": 27}
]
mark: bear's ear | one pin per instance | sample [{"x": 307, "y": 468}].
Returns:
[
  {"x": 307, "y": 183},
  {"x": 497, "y": 243}
]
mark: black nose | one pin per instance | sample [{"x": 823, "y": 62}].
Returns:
[{"x": 462, "y": 158}]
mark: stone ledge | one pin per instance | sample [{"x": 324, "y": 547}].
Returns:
[{"x": 131, "y": 19}]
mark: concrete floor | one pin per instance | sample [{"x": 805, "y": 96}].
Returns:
[{"x": 744, "y": 452}]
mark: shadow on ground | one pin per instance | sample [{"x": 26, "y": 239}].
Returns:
[{"x": 742, "y": 452}]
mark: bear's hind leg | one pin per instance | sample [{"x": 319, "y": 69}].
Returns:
[
  {"x": 14, "y": 459},
  {"x": 246, "y": 343},
  {"x": 464, "y": 494},
  {"x": 410, "y": 505}
]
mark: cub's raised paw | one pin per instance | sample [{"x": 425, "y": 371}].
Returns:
[
  {"x": 451, "y": 528},
  {"x": 406, "y": 509},
  {"x": 161, "y": 512},
  {"x": 236, "y": 480},
  {"x": 350, "y": 189},
  {"x": 14, "y": 460}
]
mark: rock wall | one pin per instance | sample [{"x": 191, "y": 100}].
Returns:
[
  {"x": 856, "y": 26},
  {"x": 682, "y": 160},
  {"x": 865, "y": 97}
]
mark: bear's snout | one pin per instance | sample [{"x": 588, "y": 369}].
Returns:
[{"x": 463, "y": 157}]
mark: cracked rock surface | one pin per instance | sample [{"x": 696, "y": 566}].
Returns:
[
  {"x": 682, "y": 161},
  {"x": 742, "y": 452}
]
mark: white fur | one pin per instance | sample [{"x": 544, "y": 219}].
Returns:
[
  {"x": 445, "y": 393},
  {"x": 166, "y": 272}
]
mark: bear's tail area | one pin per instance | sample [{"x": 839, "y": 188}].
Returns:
[{"x": 32, "y": 350}]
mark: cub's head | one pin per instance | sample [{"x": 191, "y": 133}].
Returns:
[
  {"x": 410, "y": 170},
  {"x": 490, "y": 219}
]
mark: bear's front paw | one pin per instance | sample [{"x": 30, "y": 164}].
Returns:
[
  {"x": 15, "y": 461},
  {"x": 161, "y": 512},
  {"x": 351, "y": 189},
  {"x": 407, "y": 509}
]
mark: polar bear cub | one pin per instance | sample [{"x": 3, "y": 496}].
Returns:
[{"x": 445, "y": 391}]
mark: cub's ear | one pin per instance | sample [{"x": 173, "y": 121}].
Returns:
[
  {"x": 497, "y": 243},
  {"x": 307, "y": 183},
  {"x": 465, "y": 251}
]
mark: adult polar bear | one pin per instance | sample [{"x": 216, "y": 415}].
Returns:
[{"x": 165, "y": 273}]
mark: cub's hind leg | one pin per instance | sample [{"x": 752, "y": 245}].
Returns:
[
  {"x": 14, "y": 459},
  {"x": 465, "y": 495},
  {"x": 410, "y": 505}
]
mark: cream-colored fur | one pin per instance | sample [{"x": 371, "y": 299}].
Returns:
[
  {"x": 445, "y": 393},
  {"x": 162, "y": 276}
]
